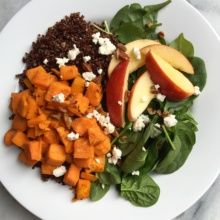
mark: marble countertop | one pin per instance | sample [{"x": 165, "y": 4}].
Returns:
[{"x": 207, "y": 208}]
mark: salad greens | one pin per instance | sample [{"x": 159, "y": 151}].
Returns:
[{"x": 143, "y": 152}]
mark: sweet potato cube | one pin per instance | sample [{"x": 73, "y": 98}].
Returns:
[
  {"x": 22, "y": 107},
  {"x": 88, "y": 176},
  {"x": 103, "y": 147},
  {"x": 57, "y": 88},
  {"x": 8, "y": 137},
  {"x": 97, "y": 164},
  {"x": 51, "y": 137},
  {"x": 34, "y": 150},
  {"x": 72, "y": 175},
  {"x": 36, "y": 121},
  {"x": 32, "y": 108},
  {"x": 39, "y": 95},
  {"x": 56, "y": 155},
  {"x": 94, "y": 94},
  {"x": 23, "y": 158},
  {"x": 68, "y": 72},
  {"x": 19, "y": 123},
  {"x": 78, "y": 86},
  {"x": 82, "y": 163},
  {"x": 82, "y": 149},
  {"x": 47, "y": 169},
  {"x": 96, "y": 135},
  {"x": 83, "y": 189},
  {"x": 39, "y": 77},
  {"x": 81, "y": 125},
  {"x": 80, "y": 102},
  {"x": 20, "y": 139},
  {"x": 31, "y": 133},
  {"x": 44, "y": 146}
]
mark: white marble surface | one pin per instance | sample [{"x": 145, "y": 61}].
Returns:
[{"x": 207, "y": 208}]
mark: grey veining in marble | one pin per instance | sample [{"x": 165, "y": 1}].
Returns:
[{"x": 207, "y": 208}]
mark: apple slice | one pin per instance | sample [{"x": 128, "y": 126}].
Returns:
[
  {"x": 115, "y": 93},
  {"x": 172, "y": 56},
  {"x": 173, "y": 84},
  {"x": 134, "y": 64},
  {"x": 140, "y": 96}
]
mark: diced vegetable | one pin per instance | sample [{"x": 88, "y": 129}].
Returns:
[
  {"x": 82, "y": 149},
  {"x": 19, "y": 123},
  {"x": 34, "y": 150},
  {"x": 103, "y": 147},
  {"x": 56, "y": 155},
  {"x": 23, "y": 158},
  {"x": 78, "y": 86},
  {"x": 68, "y": 72},
  {"x": 20, "y": 139},
  {"x": 94, "y": 94},
  {"x": 83, "y": 189},
  {"x": 96, "y": 135},
  {"x": 72, "y": 175},
  {"x": 88, "y": 176},
  {"x": 8, "y": 137},
  {"x": 47, "y": 169}
]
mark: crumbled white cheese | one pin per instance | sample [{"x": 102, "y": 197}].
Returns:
[
  {"x": 103, "y": 120},
  {"x": 143, "y": 149},
  {"x": 87, "y": 84},
  {"x": 100, "y": 71},
  {"x": 197, "y": 90},
  {"x": 137, "y": 53},
  {"x": 72, "y": 54},
  {"x": 135, "y": 173},
  {"x": 88, "y": 76},
  {"x": 140, "y": 123},
  {"x": 144, "y": 99},
  {"x": 60, "y": 97},
  {"x": 86, "y": 59},
  {"x": 109, "y": 155},
  {"x": 160, "y": 97},
  {"x": 72, "y": 136},
  {"x": 106, "y": 46},
  {"x": 62, "y": 61},
  {"x": 97, "y": 160},
  {"x": 156, "y": 131},
  {"x": 116, "y": 155},
  {"x": 170, "y": 121},
  {"x": 120, "y": 102},
  {"x": 156, "y": 86},
  {"x": 59, "y": 171},
  {"x": 157, "y": 125},
  {"x": 103, "y": 186},
  {"x": 45, "y": 61}
]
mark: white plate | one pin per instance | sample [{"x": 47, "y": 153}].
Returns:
[{"x": 179, "y": 190}]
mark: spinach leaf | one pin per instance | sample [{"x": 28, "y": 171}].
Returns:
[
  {"x": 134, "y": 22},
  {"x": 97, "y": 191},
  {"x": 200, "y": 76},
  {"x": 140, "y": 190},
  {"x": 111, "y": 175},
  {"x": 183, "y": 45}
]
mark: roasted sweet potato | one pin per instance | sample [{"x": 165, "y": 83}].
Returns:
[
  {"x": 80, "y": 102},
  {"x": 78, "y": 86},
  {"x": 23, "y": 158},
  {"x": 39, "y": 77},
  {"x": 47, "y": 169},
  {"x": 32, "y": 108},
  {"x": 82, "y": 163},
  {"x": 8, "y": 137},
  {"x": 97, "y": 164},
  {"x": 36, "y": 121},
  {"x": 94, "y": 94},
  {"x": 34, "y": 150},
  {"x": 31, "y": 133},
  {"x": 39, "y": 95},
  {"x": 55, "y": 155},
  {"x": 51, "y": 137},
  {"x": 95, "y": 135},
  {"x": 83, "y": 189},
  {"x": 20, "y": 139},
  {"x": 57, "y": 88},
  {"x": 72, "y": 175},
  {"x": 68, "y": 72},
  {"x": 22, "y": 108},
  {"x": 81, "y": 125},
  {"x": 82, "y": 149},
  {"x": 88, "y": 176},
  {"x": 19, "y": 123},
  {"x": 103, "y": 147}
]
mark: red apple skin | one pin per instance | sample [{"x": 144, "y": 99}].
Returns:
[
  {"x": 115, "y": 92},
  {"x": 167, "y": 87}
]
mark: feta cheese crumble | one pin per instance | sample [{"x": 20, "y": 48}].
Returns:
[
  {"x": 87, "y": 84},
  {"x": 197, "y": 90},
  {"x": 72, "y": 54},
  {"x": 140, "y": 123},
  {"x": 86, "y": 59},
  {"x": 116, "y": 155},
  {"x": 135, "y": 173},
  {"x": 106, "y": 46},
  {"x": 137, "y": 53},
  {"x": 156, "y": 86},
  {"x": 88, "y": 76},
  {"x": 100, "y": 71},
  {"x": 160, "y": 97},
  {"x": 62, "y": 61},
  {"x": 170, "y": 121},
  {"x": 45, "y": 61},
  {"x": 72, "y": 136},
  {"x": 60, "y": 97},
  {"x": 59, "y": 171},
  {"x": 120, "y": 102}
]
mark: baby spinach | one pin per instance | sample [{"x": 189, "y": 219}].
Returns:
[
  {"x": 183, "y": 45},
  {"x": 98, "y": 190},
  {"x": 140, "y": 190},
  {"x": 135, "y": 22}
]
